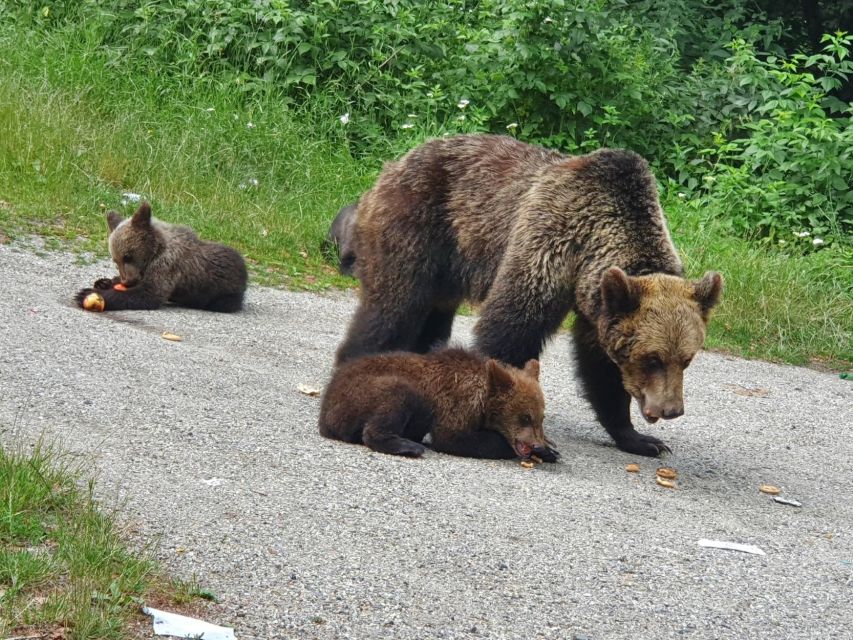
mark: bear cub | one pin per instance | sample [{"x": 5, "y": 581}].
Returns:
[
  {"x": 339, "y": 240},
  {"x": 470, "y": 405},
  {"x": 160, "y": 263}
]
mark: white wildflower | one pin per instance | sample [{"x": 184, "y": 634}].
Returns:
[
  {"x": 344, "y": 118},
  {"x": 802, "y": 234},
  {"x": 817, "y": 241},
  {"x": 412, "y": 115},
  {"x": 782, "y": 242},
  {"x": 130, "y": 197},
  {"x": 512, "y": 126},
  {"x": 407, "y": 125},
  {"x": 463, "y": 103},
  {"x": 461, "y": 118},
  {"x": 682, "y": 195},
  {"x": 210, "y": 109},
  {"x": 250, "y": 125},
  {"x": 548, "y": 20}
]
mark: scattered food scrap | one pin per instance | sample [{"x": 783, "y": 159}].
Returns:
[
  {"x": 770, "y": 489},
  {"x": 171, "y": 336},
  {"x": 308, "y": 391},
  {"x": 94, "y": 302},
  {"x": 528, "y": 464},
  {"x": 757, "y": 392},
  {"x": 666, "y": 473},
  {"x": 664, "y": 482},
  {"x": 632, "y": 468},
  {"x": 731, "y": 546}
]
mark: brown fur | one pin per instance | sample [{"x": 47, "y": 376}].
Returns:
[
  {"x": 160, "y": 263},
  {"x": 532, "y": 234},
  {"x": 471, "y": 405}
]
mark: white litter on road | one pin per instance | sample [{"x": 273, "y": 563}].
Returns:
[
  {"x": 172, "y": 624},
  {"x": 790, "y": 501},
  {"x": 732, "y": 546}
]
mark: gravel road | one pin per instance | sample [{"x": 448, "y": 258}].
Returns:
[{"x": 212, "y": 451}]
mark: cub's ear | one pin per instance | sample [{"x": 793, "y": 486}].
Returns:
[
  {"x": 142, "y": 217},
  {"x": 113, "y": 220},
  {"x": 707, "y": 291},
  {"x": 531, "y": 368},
  {"x": 500, "y": 381},
  {"x": 619, "y": 296}
]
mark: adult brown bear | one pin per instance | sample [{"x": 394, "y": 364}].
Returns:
[{"x": 533, "y": 234}]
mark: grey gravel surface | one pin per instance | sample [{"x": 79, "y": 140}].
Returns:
[{"x": 213, "y": 453}]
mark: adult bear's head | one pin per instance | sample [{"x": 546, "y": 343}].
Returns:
[{"x": 652, "y": 326}]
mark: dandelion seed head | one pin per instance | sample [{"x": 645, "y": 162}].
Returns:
[{"x": 344, "y": 118}]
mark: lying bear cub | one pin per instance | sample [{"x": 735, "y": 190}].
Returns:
[
  {"x": 160, "y": 263},
  {"x": 470, "y": 405}
]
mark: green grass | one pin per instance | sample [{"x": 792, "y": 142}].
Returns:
[
  {"x": 75, "y": 134},
  {"x": 64, "y": 563}
]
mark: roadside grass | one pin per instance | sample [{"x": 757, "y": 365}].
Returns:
[
  {"x": 75, "y": 134},
  {"x": 66, "y": 570}
]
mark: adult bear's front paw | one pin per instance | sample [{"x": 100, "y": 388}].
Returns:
[{"x": 642, "y": 445}]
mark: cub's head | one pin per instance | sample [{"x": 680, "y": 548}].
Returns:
[
  {"x": 651, "y": 327},
  {"x": 134, "y": 243},
  {"x": 516, "y": 408}
]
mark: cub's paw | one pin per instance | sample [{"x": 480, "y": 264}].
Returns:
[
  {"x": 642, "y": 445},
  {"x": 103, "y": 283},
  {"x": 546, "y": 454},
  {"x": 90, "y": 300}
]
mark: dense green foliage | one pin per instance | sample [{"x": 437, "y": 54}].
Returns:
[{"x": 703, "y": 89}]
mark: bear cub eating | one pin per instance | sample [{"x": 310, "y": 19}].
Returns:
[
  {"x": 470, "y": 405},
  {"x": 160, "y": 263}
]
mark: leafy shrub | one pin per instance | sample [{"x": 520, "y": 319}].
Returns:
[{"x": 787, "y": 170}]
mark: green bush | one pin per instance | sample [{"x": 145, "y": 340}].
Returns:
[{"x": 785, "y": 174}]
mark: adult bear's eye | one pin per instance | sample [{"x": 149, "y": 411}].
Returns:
[
  {"x": 526, "y": 419},
  {"x": 653, "y": 363},
  {"x": 127, "y": 258}
]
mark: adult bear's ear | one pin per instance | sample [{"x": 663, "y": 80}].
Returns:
[
  {"x": 142, "y": 217},
  {"x": 113, "y": 220},
  {"x": 619, "y": 296},
  {"x": 707, "y": 291},
  {"x": 500, "y": 381},
  {"x": 531, "y": 368}
]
